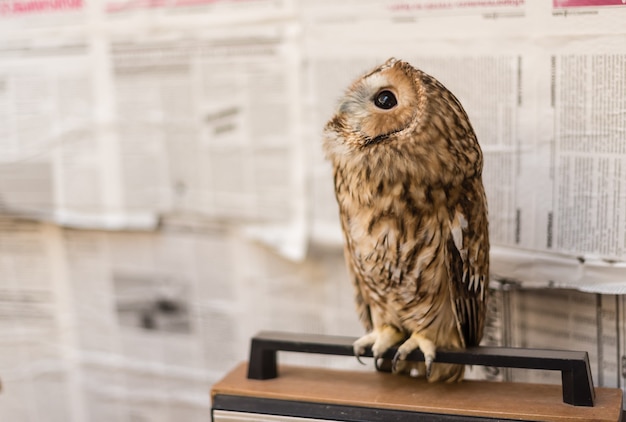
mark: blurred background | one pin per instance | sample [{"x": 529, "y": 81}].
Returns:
[{"x": 164, "y": 196}]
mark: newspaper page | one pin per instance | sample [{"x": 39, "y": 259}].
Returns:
[
  {"x": 45, "y": 108},
  {"x": 137, "y": 325},
  {"x": 147, "y": 335},
  {"x": 104, "y": 326},
  {"x": 201, "y": 121},
  {"x": 18, "y": 14},
  {"x": 485, "y": 75},
  {"x": 160, "y": 316},
  {"x": 570, "y": 320},
  {"x": 207, "y": 125},
  {"x": 123, "y": 325},
  {"x": 114, "y": 127},
  {"x": 548, "y": 112},
  {"x": 35, "y": 341},
  {"x": 212, "y": 12},
  {"x": 194, "y": 106},
  {"x": 58, "y": 158},
  {"x": 609, "y": 350}
]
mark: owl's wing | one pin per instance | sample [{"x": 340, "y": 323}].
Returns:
[{"x": 468, "y": 252}]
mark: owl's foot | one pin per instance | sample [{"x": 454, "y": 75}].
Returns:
[
  {"x": 416, "y": 340},
  {"x": 361, "y": 344},
  {"x": 380, "y": 339}
]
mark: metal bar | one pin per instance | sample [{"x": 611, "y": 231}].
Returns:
[{"x": 577, "y": 382}]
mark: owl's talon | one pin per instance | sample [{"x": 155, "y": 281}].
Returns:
[
  {"x": 394, "y": 362},
  {"x": 358, "y": 350},
  {"x": 358, "y": 358},
  {"x": 382, "y": 364},
  {"x": 429, "y": 365},
  {"x": 416, "y": 341},
  {"x": 377, "y": 364},
  {"x": 359, "y": 346}
]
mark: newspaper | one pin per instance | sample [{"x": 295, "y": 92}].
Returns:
[
  {"x": 18, "y": 14},
  {"x": 100, "y": 325},
  {"x": 115, "y": 130},
  {"x": 34, "y": 341},
  {"x": 164, "y": 196},
  {"x": 109, "y": 326},
  {"x": 214, "y": 12},
  {"x": 132, "y": 123},
  {"x": 54, "y": 157},
  {"x": 547, "y": 110},
  {"x": 570, "y": 320},
  {"x": 115, "y": 325}
]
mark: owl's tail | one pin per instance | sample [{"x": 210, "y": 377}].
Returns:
[{"x": 446, "y": 372}]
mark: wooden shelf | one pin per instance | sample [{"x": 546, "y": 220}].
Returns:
[{"x": 377, "y": 390}]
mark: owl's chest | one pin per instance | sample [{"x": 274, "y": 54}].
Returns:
[
  {"x": 399, "y": 252},
  {"x": 393, "y": 226}
]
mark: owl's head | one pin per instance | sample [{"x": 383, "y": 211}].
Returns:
[
  {"x": 397, "y": 121},
  {"x": 380, "y": 105}
]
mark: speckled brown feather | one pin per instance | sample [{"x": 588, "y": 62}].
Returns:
[{"x": 413, "y": 210}]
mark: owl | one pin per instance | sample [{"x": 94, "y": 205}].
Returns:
[{"x": 408, "y": 181}]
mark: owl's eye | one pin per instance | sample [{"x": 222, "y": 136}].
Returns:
[{"x": 385, "y": 100}]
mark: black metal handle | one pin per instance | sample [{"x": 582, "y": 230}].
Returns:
[{"x": 576, "y": 379}]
